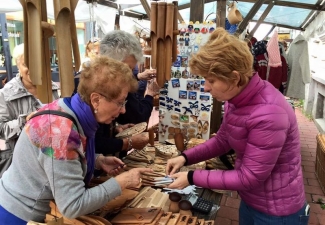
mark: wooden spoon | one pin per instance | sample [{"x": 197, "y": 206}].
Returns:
[{"x": 179, "y": 141}]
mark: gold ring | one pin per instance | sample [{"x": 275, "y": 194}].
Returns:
[{"x": 140, "y": 180}]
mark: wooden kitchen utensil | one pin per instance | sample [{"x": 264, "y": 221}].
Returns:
[
  {"x": 136, "y": 215},
  {"x": 153, "y": 33},
  {"x": 136, "y": 129},
  {"x": 63, "y": 13},
  {"x": 179, "y": 141}
]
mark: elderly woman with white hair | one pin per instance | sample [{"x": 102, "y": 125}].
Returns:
[{"x": 18, "y": 99}]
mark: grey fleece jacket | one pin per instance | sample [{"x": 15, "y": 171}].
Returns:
[
  {"x": 34, "y": 177},
  {"x": 15, "y": 104}
]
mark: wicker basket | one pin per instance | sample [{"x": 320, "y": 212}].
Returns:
[{"x": 320, "y": 160}]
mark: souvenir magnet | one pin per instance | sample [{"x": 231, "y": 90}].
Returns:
[
  {"x": 187, "y": 109},
  {"x": 184, "y": 118}
]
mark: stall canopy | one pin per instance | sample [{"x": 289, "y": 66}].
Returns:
[{"x": 292, "y": 14}]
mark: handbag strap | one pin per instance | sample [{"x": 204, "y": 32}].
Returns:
[{"x": 57, "y": 113}]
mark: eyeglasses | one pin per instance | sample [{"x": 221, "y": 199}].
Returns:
[{"x": 119, "y": 104}]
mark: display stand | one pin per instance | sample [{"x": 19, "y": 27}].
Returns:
[{"x": 184, "y": 106}]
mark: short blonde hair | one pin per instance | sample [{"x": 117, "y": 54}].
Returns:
[
  {"x": 18, "y": 52},
  {"x": 220, "y": 56},
  {"x": 107, "y": 76}
]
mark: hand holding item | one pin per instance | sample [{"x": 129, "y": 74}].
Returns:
[
  {"x": 111, "y": 165},
  {"x": 174, "y": 164},
  {"x": 152, "y": 88},
  {"x": 148, "y": 74},
  {"x": 180, "y": 181},
  {"x": 140, "y": 141},
  {"x": 131, "y": 178},
  {"x": 120, "y": 128}
]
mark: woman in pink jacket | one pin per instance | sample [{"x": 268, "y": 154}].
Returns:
[{"x": 262, "y": 128}]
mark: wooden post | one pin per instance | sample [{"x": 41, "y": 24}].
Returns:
[
  {"x": 221, "y": 13},
  {"x": 197, "y": 10},
  {"x": 217, "y": 106}
]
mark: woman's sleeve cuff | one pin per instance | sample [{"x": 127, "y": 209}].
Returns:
[
  {"x": 190, "y": 175},
  {"x": 182, "y": 154}
]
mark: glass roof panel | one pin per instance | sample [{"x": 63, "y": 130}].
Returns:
[
  {"x": 182, "y": 2},
  {"x": 313, "y": 2},
  {"x": 289, "y": 16}
]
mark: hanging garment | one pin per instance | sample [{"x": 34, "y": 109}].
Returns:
[
  {"x": 273, "y": 51},
  {"x": 231, "y": 28},
  {"x": 298, "y": 61},
  {"x": 277, "y": 76},
  {"x": 258, "y": 48}
]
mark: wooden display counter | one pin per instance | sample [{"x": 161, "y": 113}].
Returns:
[{"x": 132, "y": 205}]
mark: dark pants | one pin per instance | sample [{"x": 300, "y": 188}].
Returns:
[{"x": 250, "y": 216}]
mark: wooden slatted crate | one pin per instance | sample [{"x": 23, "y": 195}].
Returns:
[{"x": 320, "y": 160}]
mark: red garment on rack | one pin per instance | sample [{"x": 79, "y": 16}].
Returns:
[{"x": 277, "y": 75}]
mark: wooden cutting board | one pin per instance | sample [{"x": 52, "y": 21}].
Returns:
[
  {"x": 174, "y": 219},
  {"x": 136, "y": 215},
  {"x": 164, "y": 218},
  {"x": 136, "y": 129}
]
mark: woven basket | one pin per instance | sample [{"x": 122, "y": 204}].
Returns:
[{"x": 320, "y": 160}]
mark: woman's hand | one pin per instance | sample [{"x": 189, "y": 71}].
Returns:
[
  {"x": 120, "y": 128},
  {"x": 174, "y": 164},
  {"x": 147, "y": 74},
  {"x": 131, "y": 178},
  {"x": 180, "y": 181},
  {"x": 152, "y": 88},
  {"x": 111, "y": 165}
]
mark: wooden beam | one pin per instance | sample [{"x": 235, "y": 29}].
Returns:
[
  {"x": 146, "y": 7},
  {"x": 242, "y": 26},
  {"x": 179, "y": 17},
  {"x": 134, "y": 15},
  {"x": 197, "y": 10},
  {"x": 261, "y": 19},
  {"x": 107, "y": 3},
  {"x": 268, "y": 33}
]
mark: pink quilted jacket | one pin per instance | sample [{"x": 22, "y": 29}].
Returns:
[{"x": 262, "y": 128}]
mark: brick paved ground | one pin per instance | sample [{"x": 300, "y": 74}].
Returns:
[{"x": 228, "y": 212}]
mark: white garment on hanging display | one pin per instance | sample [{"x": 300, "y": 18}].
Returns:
[{"x": 298, "y": 61}]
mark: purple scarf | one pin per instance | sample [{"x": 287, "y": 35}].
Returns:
[{"x": 89, "y": 125}]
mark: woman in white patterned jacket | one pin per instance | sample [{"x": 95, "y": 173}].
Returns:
[{"x": 18, "y": 99}]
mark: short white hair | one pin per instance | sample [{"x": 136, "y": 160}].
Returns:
[
  {"x": 119, "y": 45},
  {"x": 18, "y": 52}
]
